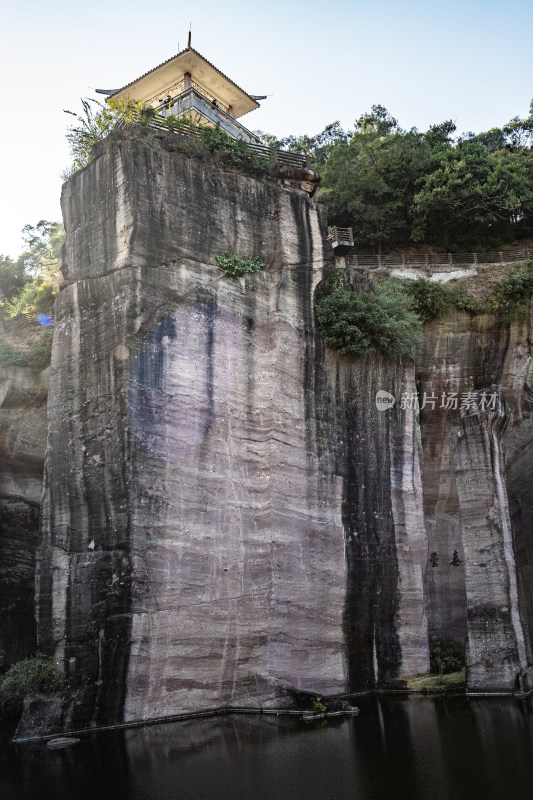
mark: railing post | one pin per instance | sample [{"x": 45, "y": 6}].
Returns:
[
  {"x": 403, "y": 259},
  {"x": 501, "y": 257},
  {"x": 379, "y": 261},
  {"x": 335, "y": 234},
  {"x": 426, "y": 256},
  {"x": 450, "y": 259},
  {"x": 475, "y": 259}
]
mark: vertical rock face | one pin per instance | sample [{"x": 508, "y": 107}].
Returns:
[
  {"x": 23, "y": 428},
  {"x": 478, "y": 488},
  {"x": 229, "y": 514},
  {"x": 496, "y": 644},
  {"x": 385, "y": 622}
]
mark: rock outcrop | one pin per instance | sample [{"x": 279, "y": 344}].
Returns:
[
  {"x": 478, "y": 485},
  {"x": 23, "y": 430},
  {"x": 228, "y": 514}
]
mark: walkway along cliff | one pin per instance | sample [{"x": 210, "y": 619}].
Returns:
[{"x": 227, "y": 515}]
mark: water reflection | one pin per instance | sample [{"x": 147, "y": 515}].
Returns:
[{"x": 417, "y": 748}]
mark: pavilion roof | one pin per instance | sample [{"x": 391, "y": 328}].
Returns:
[{"x": 242, "y": 103}]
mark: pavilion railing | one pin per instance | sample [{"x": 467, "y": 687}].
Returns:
[
  {"x": 282, "y": 157},
  {"x": 173, "y": 92},
  {"x": 341, "y": 236}
]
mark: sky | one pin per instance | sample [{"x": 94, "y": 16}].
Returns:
[{"x": 318, "y": 62}]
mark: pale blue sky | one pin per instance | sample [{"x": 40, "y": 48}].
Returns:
[{"x": 425, "y": 61}]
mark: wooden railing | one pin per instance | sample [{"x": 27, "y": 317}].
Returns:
[
  {"x": 341, "y": 236},
  {"x": 425, "y": 260}
]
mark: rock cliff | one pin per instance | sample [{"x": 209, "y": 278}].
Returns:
[
  {"x": 478, "y": 485},
  {"x": 228, "y": 516},
  {"x": 23, "y": 429}
]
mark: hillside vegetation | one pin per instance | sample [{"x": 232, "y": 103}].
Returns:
[
  {"x": 388, "y": 314},
  {"x": 27, "y": 291},
  {"x": 398, "y": 187}
]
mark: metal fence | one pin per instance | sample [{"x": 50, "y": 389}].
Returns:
[{"x": 432, "y": 260}]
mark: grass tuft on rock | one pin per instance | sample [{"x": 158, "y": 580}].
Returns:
[{"x": 234, "y": 266}]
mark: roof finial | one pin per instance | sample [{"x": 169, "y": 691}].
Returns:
[{"x": 189, "y": 39}]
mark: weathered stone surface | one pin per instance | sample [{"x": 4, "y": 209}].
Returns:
[
  {"x": 217, "y": 524},
  {"x": 23, "y": 431},
  {"x": 227, "y": 514},
  {"x": 465, "y": 354},
  {"x": 496, "y": 649},
  {"x": 41, "y": 716}
]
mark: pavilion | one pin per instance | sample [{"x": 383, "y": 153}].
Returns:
[{"x": 189, "y": 84}]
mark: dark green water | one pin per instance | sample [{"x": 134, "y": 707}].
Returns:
[{"x": 420, "y": 748}]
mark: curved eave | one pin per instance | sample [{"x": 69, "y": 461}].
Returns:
[{"x": 157, "y": 80}]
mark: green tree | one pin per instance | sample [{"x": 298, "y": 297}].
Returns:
[
  {"x": 43, "y": 248},
  {"x": 473, "y": 198},
  {"x": 439, "y": 137},
  {"x": 359, "y": 322},
  {"x": 317, "y": 147},
  {"x": 494, "y": 139},
  {"x": 394, "y": 187},
  {"x": 378, "y": 121},
  {"x": 519, "y": 132},
  {"x": 429, "y": 299},
  {"x": 96, "y": 122},
  {"x": 32, "y": 279},
  {"x": 12, "y": 277},
  {"x": 369, "y": 182}
]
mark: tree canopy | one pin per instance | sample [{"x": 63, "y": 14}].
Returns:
[
  {"x": 27, "y": 284},
  {"x": 397, "y": 187}
]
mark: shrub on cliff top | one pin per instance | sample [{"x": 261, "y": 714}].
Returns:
[
  {"x": 517, "y": 288},
  {"x": 96, "y": 122},
  {"x": 359, "y": 322},
  {"x": 41, "y": 350},
  {"x": 231, "y": 152},
  {"x": 429, "y": 299},
  {"x": 519, "y": 285},
  {"x": 33, "y": 676},
  {"x": 129, "y": 118},
  {"x": 509, "y": 298},
  {"x": 37, "y": 355}
]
